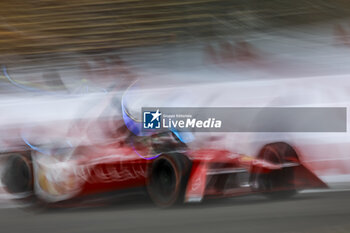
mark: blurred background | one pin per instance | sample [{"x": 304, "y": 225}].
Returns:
[
  {"x": 56, "y": 35},
  {"x": 38, "y": 30}
]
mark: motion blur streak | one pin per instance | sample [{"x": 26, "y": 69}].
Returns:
[{"x": 75, "y": 76}]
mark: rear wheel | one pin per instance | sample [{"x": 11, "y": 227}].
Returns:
[
  {"x": 168, "y": 178},
  {"x": 279, "y": 183},
  {"x": 18, "y": 174}
]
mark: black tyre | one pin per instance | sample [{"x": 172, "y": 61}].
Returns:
[
  {"x": 277, "y": 184},
  {"x": 18, "y": 174},
  {"x": 167, "y": 180}
]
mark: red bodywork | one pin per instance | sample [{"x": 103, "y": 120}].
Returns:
[{"x": 119, "y": 166}]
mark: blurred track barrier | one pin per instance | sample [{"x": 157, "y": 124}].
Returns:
[{"x": 35, "y": 30}]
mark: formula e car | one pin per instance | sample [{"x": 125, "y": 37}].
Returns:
[
  {"x": 166, "y": 167},
  {"x": 112, "y": 155}
]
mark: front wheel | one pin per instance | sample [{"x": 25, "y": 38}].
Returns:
[{"x": 279, "y": 183}]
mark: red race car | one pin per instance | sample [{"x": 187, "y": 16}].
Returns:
[
  {"x": 112, "y": 155},
  {"x": 167, "y": 168}
]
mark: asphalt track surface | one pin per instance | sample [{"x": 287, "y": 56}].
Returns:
[{"x": 308, "y": 212}]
